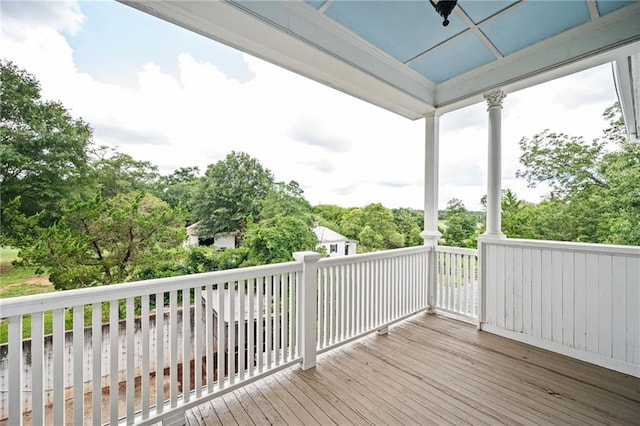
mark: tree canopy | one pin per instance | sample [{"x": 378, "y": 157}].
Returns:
[
  {"x": 100, "y": 241},
  {"x": 43, "y": 149},
  {"x": 94, "y": 215},
  {"x": 232, "y": 190},
  {"x": 595, "y": 195}
]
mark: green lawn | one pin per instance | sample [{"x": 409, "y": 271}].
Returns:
[{"x": 18, "y": 281}]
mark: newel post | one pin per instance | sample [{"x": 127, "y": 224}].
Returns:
[{"x": 307, "y": 306}]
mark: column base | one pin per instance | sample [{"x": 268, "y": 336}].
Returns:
[
  {"x": 492, "y": 236},
  {"x": 431, "y": 238}
]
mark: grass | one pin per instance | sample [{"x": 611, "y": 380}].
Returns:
[{"x": 19, "y": 281}]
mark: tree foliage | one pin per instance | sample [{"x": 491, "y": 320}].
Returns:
[
  {"x": 43, "y": 149},
  {"x": 594, "y": 185},
  {"x": 231, "y": 191},
  {"x": 286, "y": 199},
  {"x": 461, "y": 227},
  {"x": 106, "y": 241},
  {"x": 274, "y": 240},
  {"x": 114, "y": 172}
]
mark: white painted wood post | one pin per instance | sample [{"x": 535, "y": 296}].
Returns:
[
  {"x": 307, "y": 306},
  {"x": 494, "y": 191},
  {"x": 494, "y": 194},
  {"x": 431, "y": 233}
]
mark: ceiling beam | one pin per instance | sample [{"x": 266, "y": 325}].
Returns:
[{"x": 595, "y": 40}]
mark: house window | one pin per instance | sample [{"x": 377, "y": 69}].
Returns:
[{"x": 333, "y": 248}]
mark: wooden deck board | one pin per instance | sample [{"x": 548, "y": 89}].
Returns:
[{"x": 433, "y": 370}]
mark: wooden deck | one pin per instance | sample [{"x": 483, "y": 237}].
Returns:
[{"x": 433, "y": 370}]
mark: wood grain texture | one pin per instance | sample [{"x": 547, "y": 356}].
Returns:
[{"x": 433, "y": 370}]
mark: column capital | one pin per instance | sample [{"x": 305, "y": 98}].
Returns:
[{"x": 494, "y": 99}]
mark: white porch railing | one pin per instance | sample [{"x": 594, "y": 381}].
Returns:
[
  {"x": 368, "y": 292},
  {"x": 580, "y": 300},
  {"x": 457, "y": 281},
  {"x": 203, "y": 354},
  {"x": 184, "y": 340}
]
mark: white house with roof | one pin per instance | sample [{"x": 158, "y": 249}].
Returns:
[
  {"x": 336, "y": 244},
  {"x": 193, "y": 239}
]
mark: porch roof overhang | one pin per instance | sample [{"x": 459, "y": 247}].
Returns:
[{"x": 399, "y": 56}]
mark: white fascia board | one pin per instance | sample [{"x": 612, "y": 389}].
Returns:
[
  {"x": 583, "y": 47},
  {"x": 627, "y": 75},
  {"x": 240, "y": 29}
]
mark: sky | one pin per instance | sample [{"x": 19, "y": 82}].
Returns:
[{"x": 162, "y": 94}]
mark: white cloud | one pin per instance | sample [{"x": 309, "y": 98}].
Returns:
[{"x": 340, "y": 149}]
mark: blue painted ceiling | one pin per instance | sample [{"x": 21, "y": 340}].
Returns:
[{"x": 480, "y": 32}]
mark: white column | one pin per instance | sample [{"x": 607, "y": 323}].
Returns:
[
  {"x": 431, "y": 160},
  {"x": 431, "y": 233},
  {"x": 494, "y": 190}
]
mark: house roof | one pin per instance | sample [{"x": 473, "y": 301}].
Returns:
[
  {"x": 399, "y": 56},
  {"x": 326, "y": 235}
]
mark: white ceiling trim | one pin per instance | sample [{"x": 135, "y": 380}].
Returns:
[
  {"x": 627, "y": 73},
  {"x": 474, "y": 28},
  {"x": 590, "y": 40},
  {"x": 236, "y": 28}
]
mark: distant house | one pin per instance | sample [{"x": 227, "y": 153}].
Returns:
[
  {"x": 335, "y": 244},
  {"x": 222, "y": 241}
]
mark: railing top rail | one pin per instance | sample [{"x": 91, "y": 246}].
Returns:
[
  {"x": 365, "y": 257},
  {"x": 63, "y": 299},
  {"x": 568, "y": 246},
  {"x": 457, "y": 250}
]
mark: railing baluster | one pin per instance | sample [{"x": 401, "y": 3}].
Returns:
[
  {"x": 159, "y": 352},
  {"x": 284, "y": 309},
  {"x": 275, "y": 280},
  {"x": 130, "y": 384},
  {"x": 210, "y": 340},
  {"x": 242, "y": 324},
  {"x": 231, "y": 333},
  {"x": 261, "y": 321},
  {"x": 78, "y": 352},
  {"x": 37, "y": 368},
  {"x": 251, "y": 324},
  {"x": 186, "y": 344},
  {"x": 146, "y": 358},
  {"x": 269, "y": 321},
  {"x": 173, "y": 348},
  {"x": 221, "y": 349},
  {"x": 15, "y": 369},
  {"x": 293, "y": 314},
  {"x": 199, "y": 340},
  {"x": 114, "y": 391},
  {"x": 96, "y": 363}
]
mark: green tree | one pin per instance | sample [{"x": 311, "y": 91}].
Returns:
[
  {"x": 231, "y": 191},
  {"x": 410, "y": 224},
  {"x": 380, "y": 219},
  {"x": 178, "y": 189},
  {"x": 274, "y": 240},
  {"x": 329, "y": 215},
  {"x": 461, "y": 227},
  {"x": 595, "y": 195},
  {"x": 517, "y": 216},
  {"x": 118, "y": 173},
  {"x": 286, "y": 199},
  {"x": 353, "y": 221},
  {"x": 101, "y": 241},
  {"x": 43, "y": 149}
]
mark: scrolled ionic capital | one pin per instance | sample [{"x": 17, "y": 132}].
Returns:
[{"x": 494, "y": 99}]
